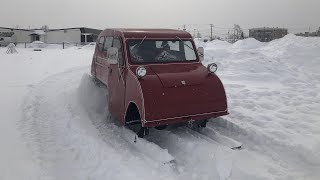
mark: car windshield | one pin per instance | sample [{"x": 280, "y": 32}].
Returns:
[{"x": 161, "y": 51}]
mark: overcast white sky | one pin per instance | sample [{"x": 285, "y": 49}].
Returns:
[{"x": 297, "y": 15}]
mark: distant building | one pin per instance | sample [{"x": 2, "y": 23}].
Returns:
[
  {"x": 267, "y": 34},
  {"x": 310, "y": 34},
  {"x": 79, "y": 35}
]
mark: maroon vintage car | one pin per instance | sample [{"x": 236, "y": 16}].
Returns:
[{"x": 155, "y": 78}]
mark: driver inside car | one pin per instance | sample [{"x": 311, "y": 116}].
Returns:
[{"x": 165, "y": 53}]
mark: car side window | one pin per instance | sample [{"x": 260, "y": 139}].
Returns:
[
  {"x": 100, "y": 44},
  {"x": 107, "y": 43},
  {"x": 117, "y": 43}
]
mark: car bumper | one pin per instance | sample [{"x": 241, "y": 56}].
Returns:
[{"x": 183, "y": 119}]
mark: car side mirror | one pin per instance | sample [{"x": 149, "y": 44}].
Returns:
[
  {"x": 112, "y": 55},
  {"x": 201, "y": 53}
]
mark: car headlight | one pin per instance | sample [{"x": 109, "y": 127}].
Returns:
[
  {"x": 141, "y": 72},
  {"x": 212, "y": 68}
]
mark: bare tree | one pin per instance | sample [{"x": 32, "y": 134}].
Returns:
[
  {"x": 45, "y": 28},
  {"x": 235, "y": 34}
]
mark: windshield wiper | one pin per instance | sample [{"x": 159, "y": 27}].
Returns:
[
  {"x": 185, "y": 43},
  {"x": 141, "y": 42}
]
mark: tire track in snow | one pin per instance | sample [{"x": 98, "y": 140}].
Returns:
[
  {"x": 292, "y": 158},
  {"x": 200, "y": 157},
  {"x": 67, "y": 146},
  {"x": 188, "y": 147},
  {"x": 73, "y": 137}
]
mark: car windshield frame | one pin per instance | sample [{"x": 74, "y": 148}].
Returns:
[{"x": 137, "y": 43}]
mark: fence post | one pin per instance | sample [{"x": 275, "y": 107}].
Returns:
[
  {"x": 25, "y": 45},
  {"x": 63, "y": 45}
]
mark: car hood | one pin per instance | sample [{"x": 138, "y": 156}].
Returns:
[{"x": 179, "y": 75}]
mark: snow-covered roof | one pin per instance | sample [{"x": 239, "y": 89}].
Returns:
[
  {"x": 86, "y": 33},
  {"x": 39, "y": 32}
]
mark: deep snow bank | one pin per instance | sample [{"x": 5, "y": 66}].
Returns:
[
  {"x": 249, "y": 43},
  {"x": 274, "y": 101},
  {"x": 215, "y": 43}
]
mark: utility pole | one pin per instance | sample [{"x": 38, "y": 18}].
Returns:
[
  {"x": 309, "y": 31},
  {"x": 228, "y": 36},
  {"x": 211, "y": 26}
]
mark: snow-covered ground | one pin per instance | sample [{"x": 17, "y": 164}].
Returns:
[{"x": 54, "y": 123}]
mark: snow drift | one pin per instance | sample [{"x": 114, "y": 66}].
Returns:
[{"x": 273, "y": 93}]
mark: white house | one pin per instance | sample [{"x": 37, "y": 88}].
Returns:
[
  {"x": 79, "y": 35},
  {"x": 8, "y": 35}
]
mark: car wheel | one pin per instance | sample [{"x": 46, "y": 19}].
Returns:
[{"x": 161, "y": 127}]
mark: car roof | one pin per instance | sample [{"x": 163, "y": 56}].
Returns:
[{"x": 151, "y": 33}]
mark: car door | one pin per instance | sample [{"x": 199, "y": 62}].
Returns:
[
  {"x": 116, "y": 81},
  {"x": 105, "y": 65}
]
